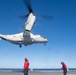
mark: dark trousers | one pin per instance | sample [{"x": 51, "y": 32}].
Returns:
[
  {"x": 25, "y": 72},
  {"x": 64, "y": 72}
]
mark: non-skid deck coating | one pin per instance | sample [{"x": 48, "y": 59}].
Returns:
[{"x": 37, "y": 73}]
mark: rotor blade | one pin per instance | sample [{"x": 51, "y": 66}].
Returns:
[
  {"x": 23, "y": 16},
  {"x": 28, "y": 5},
  {"x": 46, "y": 17}
]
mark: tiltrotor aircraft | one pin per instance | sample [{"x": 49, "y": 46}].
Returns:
[{"x": 26, "y": 37}]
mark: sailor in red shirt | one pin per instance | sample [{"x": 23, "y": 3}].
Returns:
[
  {"x": 64, "y": 68},
  {"x": 26, "y": 66}
]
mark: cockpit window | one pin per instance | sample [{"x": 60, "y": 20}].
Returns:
[{"x": 42, "y": 37}]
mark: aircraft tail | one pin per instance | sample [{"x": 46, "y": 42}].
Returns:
[{"x": 2, "y": 37}]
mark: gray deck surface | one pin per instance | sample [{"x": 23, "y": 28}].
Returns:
[{"x": 37, "y": 73}]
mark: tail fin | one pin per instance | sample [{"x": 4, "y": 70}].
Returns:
[{"x": 2, "y": 37}]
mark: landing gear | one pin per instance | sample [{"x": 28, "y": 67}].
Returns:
[
  {"x": 44, "y": 43},
  {"x": 20, "y": 45}
]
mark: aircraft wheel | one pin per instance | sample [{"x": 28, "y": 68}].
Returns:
[
  {"x": 20, "y": 46},
  {"x": 44, "y": 43}
]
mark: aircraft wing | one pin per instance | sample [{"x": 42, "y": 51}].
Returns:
[
  {"x": 27, "y": 29},
  {"x": 26, "y": 33}
]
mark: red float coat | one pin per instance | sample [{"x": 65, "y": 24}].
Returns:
[
  {"x": 64, "y": 67},
  {"x": 26, "y": 65}
]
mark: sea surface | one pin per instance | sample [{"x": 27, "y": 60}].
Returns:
[{"x": 35, "y": 69}]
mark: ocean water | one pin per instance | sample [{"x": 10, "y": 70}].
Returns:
[{"x": 35, "y": 69}]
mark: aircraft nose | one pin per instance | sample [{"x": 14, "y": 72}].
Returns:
[{"x": 46, "y": 40}]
